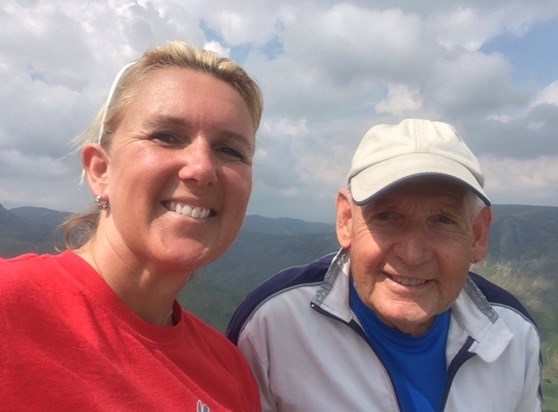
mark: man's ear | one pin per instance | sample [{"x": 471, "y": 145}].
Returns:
[
  {"x": 95, "y": 165},
  {"x": 481, "y": 232},
  {"x": 344, "y": 218}
]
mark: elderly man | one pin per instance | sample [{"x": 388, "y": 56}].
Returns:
[{"x": 395, "y": 321}]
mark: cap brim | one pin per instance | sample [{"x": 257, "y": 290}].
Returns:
[{"x": 375, "y": 179}]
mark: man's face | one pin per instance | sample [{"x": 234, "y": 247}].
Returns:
[{"x": 410, "y": 249}]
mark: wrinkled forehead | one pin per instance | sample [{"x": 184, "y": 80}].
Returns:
[{"x": 434, "y": 187}]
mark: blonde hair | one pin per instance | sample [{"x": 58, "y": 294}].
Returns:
[{"x": 79, "y": 229}]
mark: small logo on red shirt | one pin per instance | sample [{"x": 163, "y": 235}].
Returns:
[{"x": 202, "y": 407}]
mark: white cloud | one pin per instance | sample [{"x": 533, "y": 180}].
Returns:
[
  {"x": 218, "y": 48},
  {"x": 470, "y": 27},
  {"x": 30, "y": 166},
  {"x": 467, "y": 83},
  {"x": 400, "y": 99},
  {"x": 328, "y": 69},
  {"x": 349, "y": 43},
  {"x": 526, "y": 181},
  {"x": 549, "y": 95},
  {"x": 245, "y": 22}
]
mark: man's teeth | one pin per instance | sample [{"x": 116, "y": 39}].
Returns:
[
  {"x": 409, "y": 281},
  {"x": 187, "y": 210}
]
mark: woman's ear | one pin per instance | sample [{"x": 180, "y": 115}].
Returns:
[
  {"x": 95, "y": 165},
  {"x": 344, "y": 218}
]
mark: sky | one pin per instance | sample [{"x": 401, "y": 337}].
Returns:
[{"x": 328, "y": 70}]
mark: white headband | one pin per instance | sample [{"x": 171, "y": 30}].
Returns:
[
  {"x": 109, "y": 99},
  {"x": 113, "y": 87}
]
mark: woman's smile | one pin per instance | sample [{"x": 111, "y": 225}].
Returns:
[{"x": 184, "y": 209}]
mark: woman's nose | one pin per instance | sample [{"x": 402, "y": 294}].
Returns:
[{"x": 199, "y": 164}]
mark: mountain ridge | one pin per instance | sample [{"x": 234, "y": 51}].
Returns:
[{"x": 522, "y": 258}]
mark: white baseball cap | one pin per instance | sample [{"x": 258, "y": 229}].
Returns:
[{"x": 390, "y": 154}]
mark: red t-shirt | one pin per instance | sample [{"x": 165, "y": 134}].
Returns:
[{"x": 67, "y": 342}]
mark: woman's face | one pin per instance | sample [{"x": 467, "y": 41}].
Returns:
[{"x": 179, "y": 171}]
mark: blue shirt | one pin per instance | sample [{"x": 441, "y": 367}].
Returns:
[{"x": 416, "y": 364}]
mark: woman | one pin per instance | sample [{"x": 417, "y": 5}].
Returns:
[{"x": 169, "y": 161}]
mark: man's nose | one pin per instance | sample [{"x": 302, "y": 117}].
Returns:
[{"x": 413, "y": 245}]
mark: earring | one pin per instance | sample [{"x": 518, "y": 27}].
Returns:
[{"x": 101, "y": 203}]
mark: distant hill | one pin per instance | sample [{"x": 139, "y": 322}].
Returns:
[
  {"x": 524, "y": 232},
  {"x": 41, "y": 215},
  {"x": 28, "y": 229},
  {"x": 283, "y": 226},
  {"x": 522, "y": 258}
]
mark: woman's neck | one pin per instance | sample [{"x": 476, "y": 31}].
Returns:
[{"x": 147, "y": 292}]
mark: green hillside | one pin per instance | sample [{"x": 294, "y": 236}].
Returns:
[
  {"x": 28, "y": 229},
  {"x": 522, "y": 259}
]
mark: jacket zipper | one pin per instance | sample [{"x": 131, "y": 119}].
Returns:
[
  {"x": 462, "y": 356},
  {"x": 355, "y": 327}
]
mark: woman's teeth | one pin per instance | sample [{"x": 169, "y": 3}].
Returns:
[{"x": 187, "y": 210}]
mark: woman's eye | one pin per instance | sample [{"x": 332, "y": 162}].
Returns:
[
  {"x": 166, "y": 139},
  {"x": 232, "y": 153}
]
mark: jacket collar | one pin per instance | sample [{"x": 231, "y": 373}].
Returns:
[
  {"x": 472, "y": 314},
  {"x": 477, "y": 317},
  {"x": 333, "y": 294}
]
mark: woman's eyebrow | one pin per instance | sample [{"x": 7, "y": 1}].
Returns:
[{"x": 162, "y": 121}]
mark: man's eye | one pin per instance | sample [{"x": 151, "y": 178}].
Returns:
[
  {"x": 384, "y": 215},
  {"x": 446, "y": 220}
]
